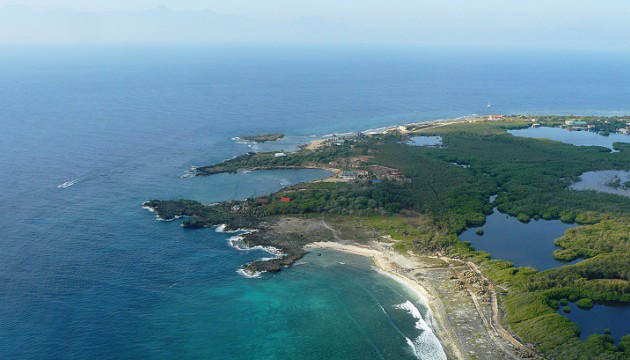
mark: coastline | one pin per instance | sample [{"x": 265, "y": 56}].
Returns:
[
  {"x": 387, "y": 265},
  {"x": 403, "y": 128},
  {"x": 451, "y": 309},
  {"x": 445, "y": 291}
]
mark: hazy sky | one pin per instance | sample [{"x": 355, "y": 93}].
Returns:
[{"x": 595, "y": 24}]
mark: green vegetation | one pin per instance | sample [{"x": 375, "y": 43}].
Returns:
[
  {"x": 438, "y": 200},
  {"x": 585, "y": 303},
  {"x": 616, "y": 183},
  {"x": 566, "y": 309},
  {"x": 612, "y": 235},
  {"x": 479, "y": 232},
  {"x": 262, "y": 138}
]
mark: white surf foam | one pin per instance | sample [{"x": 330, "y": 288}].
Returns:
[
  {"x": 157, "y": 216},
  {"x": 192, "y": 172},
  {"x": 250, "y": 275},
  {"x": 426, "y": 344}
]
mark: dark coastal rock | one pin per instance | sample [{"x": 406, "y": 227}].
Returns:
[
  {"x": 273, "y": 265},
  {"x": 200, "y": 215}
]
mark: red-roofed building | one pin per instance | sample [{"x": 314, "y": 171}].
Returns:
[
  {"x": 285, "y": 200},
  {"x": 495, "y": 117}
]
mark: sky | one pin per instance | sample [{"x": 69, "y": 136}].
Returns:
[{"x": 579, "y": 24}]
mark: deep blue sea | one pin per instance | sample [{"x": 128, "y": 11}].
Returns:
[{"x": 86, "y": 273}]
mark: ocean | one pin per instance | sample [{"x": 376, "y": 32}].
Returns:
[{"x": 87, "y": 273}]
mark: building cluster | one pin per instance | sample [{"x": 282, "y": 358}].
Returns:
[{"x": 576, "y": 125}]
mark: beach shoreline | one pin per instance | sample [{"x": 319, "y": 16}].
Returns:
[
  {"x": 411, "y": 271},
  {"x": 403, "y": 128},
  {"x": 387, "y": 267}
]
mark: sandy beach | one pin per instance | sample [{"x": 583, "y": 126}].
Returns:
[
  {"x": 406, "y": 128},
  {"x": 458, "y": 315}
]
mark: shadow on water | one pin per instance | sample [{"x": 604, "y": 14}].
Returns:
[
  {"x": 611, "y": 315},
  {"x": 506, "y": 238}
]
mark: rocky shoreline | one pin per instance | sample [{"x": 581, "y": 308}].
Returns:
[{"x": 267, "y": 232}]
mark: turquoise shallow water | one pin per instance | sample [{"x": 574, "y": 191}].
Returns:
[
  {"x": 86, "y": 273},
  {"x": 333, "y": 306}
]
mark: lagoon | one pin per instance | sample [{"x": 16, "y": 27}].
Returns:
[
  {"x": 89, "y": 274},
  {"x": 579, "y": 138},
  {"x": 425, "y": 141},
  {"x": 531, "y": 244},
  {"x": 609, "y": 315},
  {"x": 597, "y": 181}
]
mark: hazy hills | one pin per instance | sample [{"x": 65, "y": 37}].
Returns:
[{"x": 23, "y": 25}]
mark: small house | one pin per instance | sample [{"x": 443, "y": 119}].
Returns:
[
  {"x": 285, "y": 200},
  {"x": 280, "y": 154},
  {"x": 624, "y": 131},
  {"x": 348, "y": 175},
  {"x": 495, "y": 117}
]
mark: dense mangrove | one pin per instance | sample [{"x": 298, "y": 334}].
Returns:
[{"x": 398, "y": 183}]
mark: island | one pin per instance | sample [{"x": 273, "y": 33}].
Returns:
[
  {"x": 262, "y": 138},
  {"x": 405, "y": 206}
]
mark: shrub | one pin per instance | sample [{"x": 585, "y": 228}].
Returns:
[{"x": 585, "y": 303}]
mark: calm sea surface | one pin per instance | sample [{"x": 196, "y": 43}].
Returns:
[{"x": 86, "y": 273}]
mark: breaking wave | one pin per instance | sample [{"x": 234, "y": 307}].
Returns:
[{"x": 425, "y": 345}]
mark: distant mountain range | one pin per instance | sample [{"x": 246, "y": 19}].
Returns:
[
  {"x": 22, "y": 25},
  {"x": 425, "y": 26}
]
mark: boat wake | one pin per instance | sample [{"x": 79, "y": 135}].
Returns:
[{"x": 67, "y": 184}]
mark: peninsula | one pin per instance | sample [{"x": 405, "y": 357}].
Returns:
[
  {"x": 261, "y": 138},
  {"x": 405, "y": 206}
]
